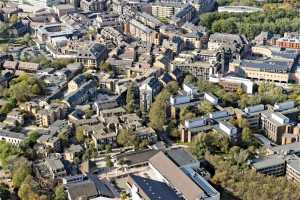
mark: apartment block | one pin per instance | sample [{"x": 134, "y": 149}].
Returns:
[{"x": 142, "y": 32}]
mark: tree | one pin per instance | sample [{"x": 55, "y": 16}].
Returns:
[
  {"x": 186, "y": 113},
  {"x": 4, "y": 48},
  {"x": 210, "y": 142},
  {"x": 11, "y": 104},
  {"x": 4, "y": 192},
  {"x": 60, "y": 193},
  {"x": 205, "y": 107},
  {"x": 79, "y": 134},
  {"x": 130, "y": 99},
  {"x": 29, "y": 189},
  {"x": 31, "y": 139},
  {"x": 189, "y": 79},
  {"x": 270, "y": 93},
  {"x": 108, "y": 148},
  {"x": 7, "y": 151},
  {"x": 91, "y": 32},
  {"x": 246, "y": 100},
  {"x": 64, "y": 138},
  {"x": 108, "y": 162},
  {"x": 13, "y": 19},
  {"x": 106, "y": 67},
  {"x": 24, "y": 87},
  {"x": 125, "y": 138},
  {"x": 172, "y": 87},
  {"x": 89, "y": 113},
  {"x": 123, "y": 196},
  {"x": 157, "y": 113},
  {"x": 172, "y": 130},
  {"x": 21, "y": 170},
  {"x": 246, "y": 136}
]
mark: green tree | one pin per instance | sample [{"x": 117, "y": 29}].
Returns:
[
  {"x": 60, "y": 193},
  {"x": 205, "y": 107},
  {"x": 172, "y": 87},
  {"x": 30, "y": 139},
  {"x": 246, "y": 136},
  {"x": 29, "y": 189},
  {"x": 123, "y": 196},
  {"x": 186, "y": 113},
  {"x": 157, "y": 113},
  {"x": 172, "y": 130},
  {"x": 11, "y": 104},
  {"x": 130, "y": 99},
  {"x": 21, "y": 170},
  {"x": 108, "y": 162},
  {"x": 7, "y": 151},
  {"x": 189, "y": 79},
  {"x": 125, "y": 138},
  {"x": 79, "y": 134},
  {"x": 210, "y": 142},
  {"x": 4, "y": 192},
  {"x": 106, "y": 67}
]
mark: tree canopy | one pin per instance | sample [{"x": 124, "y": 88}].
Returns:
[{"x": 277, "y": 21}]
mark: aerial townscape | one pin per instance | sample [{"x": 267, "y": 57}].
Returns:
[{"x": 149, "y": 100}]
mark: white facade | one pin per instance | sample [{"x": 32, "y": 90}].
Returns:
[
  {"x": 35, "y": 5},
  {"x": 284, "y": 106},
  {"x": 230, "y": 130},
  {"x": 176, "y": 100},
  {"x": 211, "y": 98},
  {"x": 193, "y": 123}
]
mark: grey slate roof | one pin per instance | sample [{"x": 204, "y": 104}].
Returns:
[{"x": 152, "y": 189}]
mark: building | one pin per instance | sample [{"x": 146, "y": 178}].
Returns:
[
  {"x": 88, "y": 188},
  {"x": 253, "y": 116},
  {"x": 277, "y": 65},
  {"x": 201, "y": 70},
  {"x": 149, "y": 20},
  {"x": 47, "y": 32},
  {"x": 50, "y": 142},
  {"x": 45, "y": 117},
  {"x": 165, "y": 9},
  {"x": 145, "y": 188},
  {"x": 63, "y": 9},
  {"x": 142, "y": 32},
  {"x": 56, "y": 168},
  {"x": 289, "y": 40},
  {"x": 293, "y": 168},
  {"x": 83, "y": 189},
  {"x": 21, "y": 66},
  {"x": 237, "y": 43},
  {"x": 86, "y": 92},
  {"x": 233, "y": 84},
  {"x": 11, "y": 137},
  {"x": 93, "y": 5},
  {"x": 15, "y": 117},
  {"x": 230, "y": 131},
  {"x": 274, "y": 124},
  {"x": 239, "y": 9},
  {"x": 74, "y": 151},
  {"x": 186, "y": 182},
  {"x": 76, "y": 83},
  {"x": 270, "y": 166},
  {"x": 148, "y": 90},
  {"x": 38, "y": 4},
  {"x": 185, "y": 14},
  {"x": 91, "y": 55}
]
